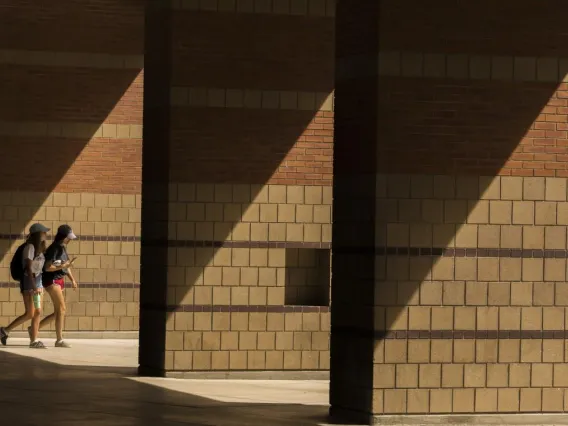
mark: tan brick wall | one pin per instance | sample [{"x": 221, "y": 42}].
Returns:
[
  {"x": 71, "y": 127},
  {"x": 472, "y": 299},
  {"x": 108, "y": 250},
  {"x": 83, "y": 113},
  {"x": 464, "y": 126},
  {"x": 249, "y": 167},
  {"x": 230, "y": 272}
]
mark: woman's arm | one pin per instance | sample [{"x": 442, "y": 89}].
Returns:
[
  {"x": 28, "y": 268},
  {"x": 53, "y": 254},
  {"x": 28, "y": 256},
  {"x": 50, "y": 267},
  {"x": 72, "y": 278}
]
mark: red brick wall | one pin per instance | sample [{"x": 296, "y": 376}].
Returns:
[
  {"x": 95, "y": 26},
  {"x": 473, "y": 127},
  {"x": 504, "y": 27},
  {"x": 76, "y": 67},
  {"x": 228, "y": 50},
  {"x": 252, "y": 146},
  {"x": 249, "y": 52},
  {"x": 101, "y": 165},
  {"x": 310, "y": 161},
  {"x": 253, "y": 51},
  {"x": 492, "y": 103}
]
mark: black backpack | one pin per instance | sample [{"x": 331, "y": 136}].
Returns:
[{"x": 16, "y": 267}]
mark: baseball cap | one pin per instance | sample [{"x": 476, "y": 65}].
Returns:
[
  {"x": 67, "y": 232},
  {"x": 38, "y": 227}
]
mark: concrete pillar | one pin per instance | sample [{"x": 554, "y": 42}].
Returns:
[
  {"x": 155, "y": 190},
  {"x": 449, "y": 269},
  {"x": 353, "y": 341}
]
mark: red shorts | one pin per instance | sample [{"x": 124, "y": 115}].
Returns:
[{"x": 60, "y": 282}]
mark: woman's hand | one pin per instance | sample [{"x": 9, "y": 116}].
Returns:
[
  {"x": 38, "y": 290},
  {"x": 65, "y": 265},
  {"x": 74, "y": 284}
]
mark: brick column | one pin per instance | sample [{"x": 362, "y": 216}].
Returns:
[
  {"x": 155, "y": 189},
  {"x": 354, "y": 210}
]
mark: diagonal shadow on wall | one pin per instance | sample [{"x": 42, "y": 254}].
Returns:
[
  {"x": 66, "y": 69},
  {"x": 433, "y": 130},
  {"x": 215, "y": 147}
]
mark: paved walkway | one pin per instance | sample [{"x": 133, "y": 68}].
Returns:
[{"x": 94, "y": 383}]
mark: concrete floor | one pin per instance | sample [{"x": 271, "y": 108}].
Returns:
[{"x": 94, "y": 383}]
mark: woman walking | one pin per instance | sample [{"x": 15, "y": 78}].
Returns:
[
  {"x": 32, "y": 261},
  {"x": 57, "y": 267}
]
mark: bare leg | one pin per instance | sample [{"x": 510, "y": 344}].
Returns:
[
  {"x": 28, "y": 315},
  {"x": 47, "y": 320},
  {"x": 35, "y": 324},
  {"x": 59, "y": 309}
]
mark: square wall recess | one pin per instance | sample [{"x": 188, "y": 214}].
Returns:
[{"x": 308, "y": 277}]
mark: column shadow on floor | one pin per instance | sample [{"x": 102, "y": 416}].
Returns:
[{"x": 34, "y": 391}]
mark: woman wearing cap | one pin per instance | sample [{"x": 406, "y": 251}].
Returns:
[
  {"x": 57, "y": 267},
  {"x": 33, "y": 260}
]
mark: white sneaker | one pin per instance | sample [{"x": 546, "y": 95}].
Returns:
[
  {"x": 37, "y": 345},
  {"x": 62, "y": 344}
]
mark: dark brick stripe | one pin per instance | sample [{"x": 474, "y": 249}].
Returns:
[
  {"x": 462, "y": 252},
  {"x": 236, "y": 308},
  {"x": 15, "y": 237},
  {"x": 188, "y": 243},
  {"x": 81, "y": 285},
  {"x": 248, "y": 244},
  {"x": 478, "y": 334},
  {"x": 452, "y": 334},
  {"x": 380, "y": 251}
]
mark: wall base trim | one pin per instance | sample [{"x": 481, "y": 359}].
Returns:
[
  {"x": 118, "y": 335},
  {"x": 340, "y": 415},
  {"x": 249, "y": 375},
  {"x": 474, "y": 419}
]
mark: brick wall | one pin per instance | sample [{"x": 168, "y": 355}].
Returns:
[
  {"x": 299, "y": 153},
  {"x": 251, "y": 125},
  {"x": 71, "y": 127},
  {"x": 470, "y": 193},
  {"x": 481, "y": 127},
  {"x": 249, "y": 171}
]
